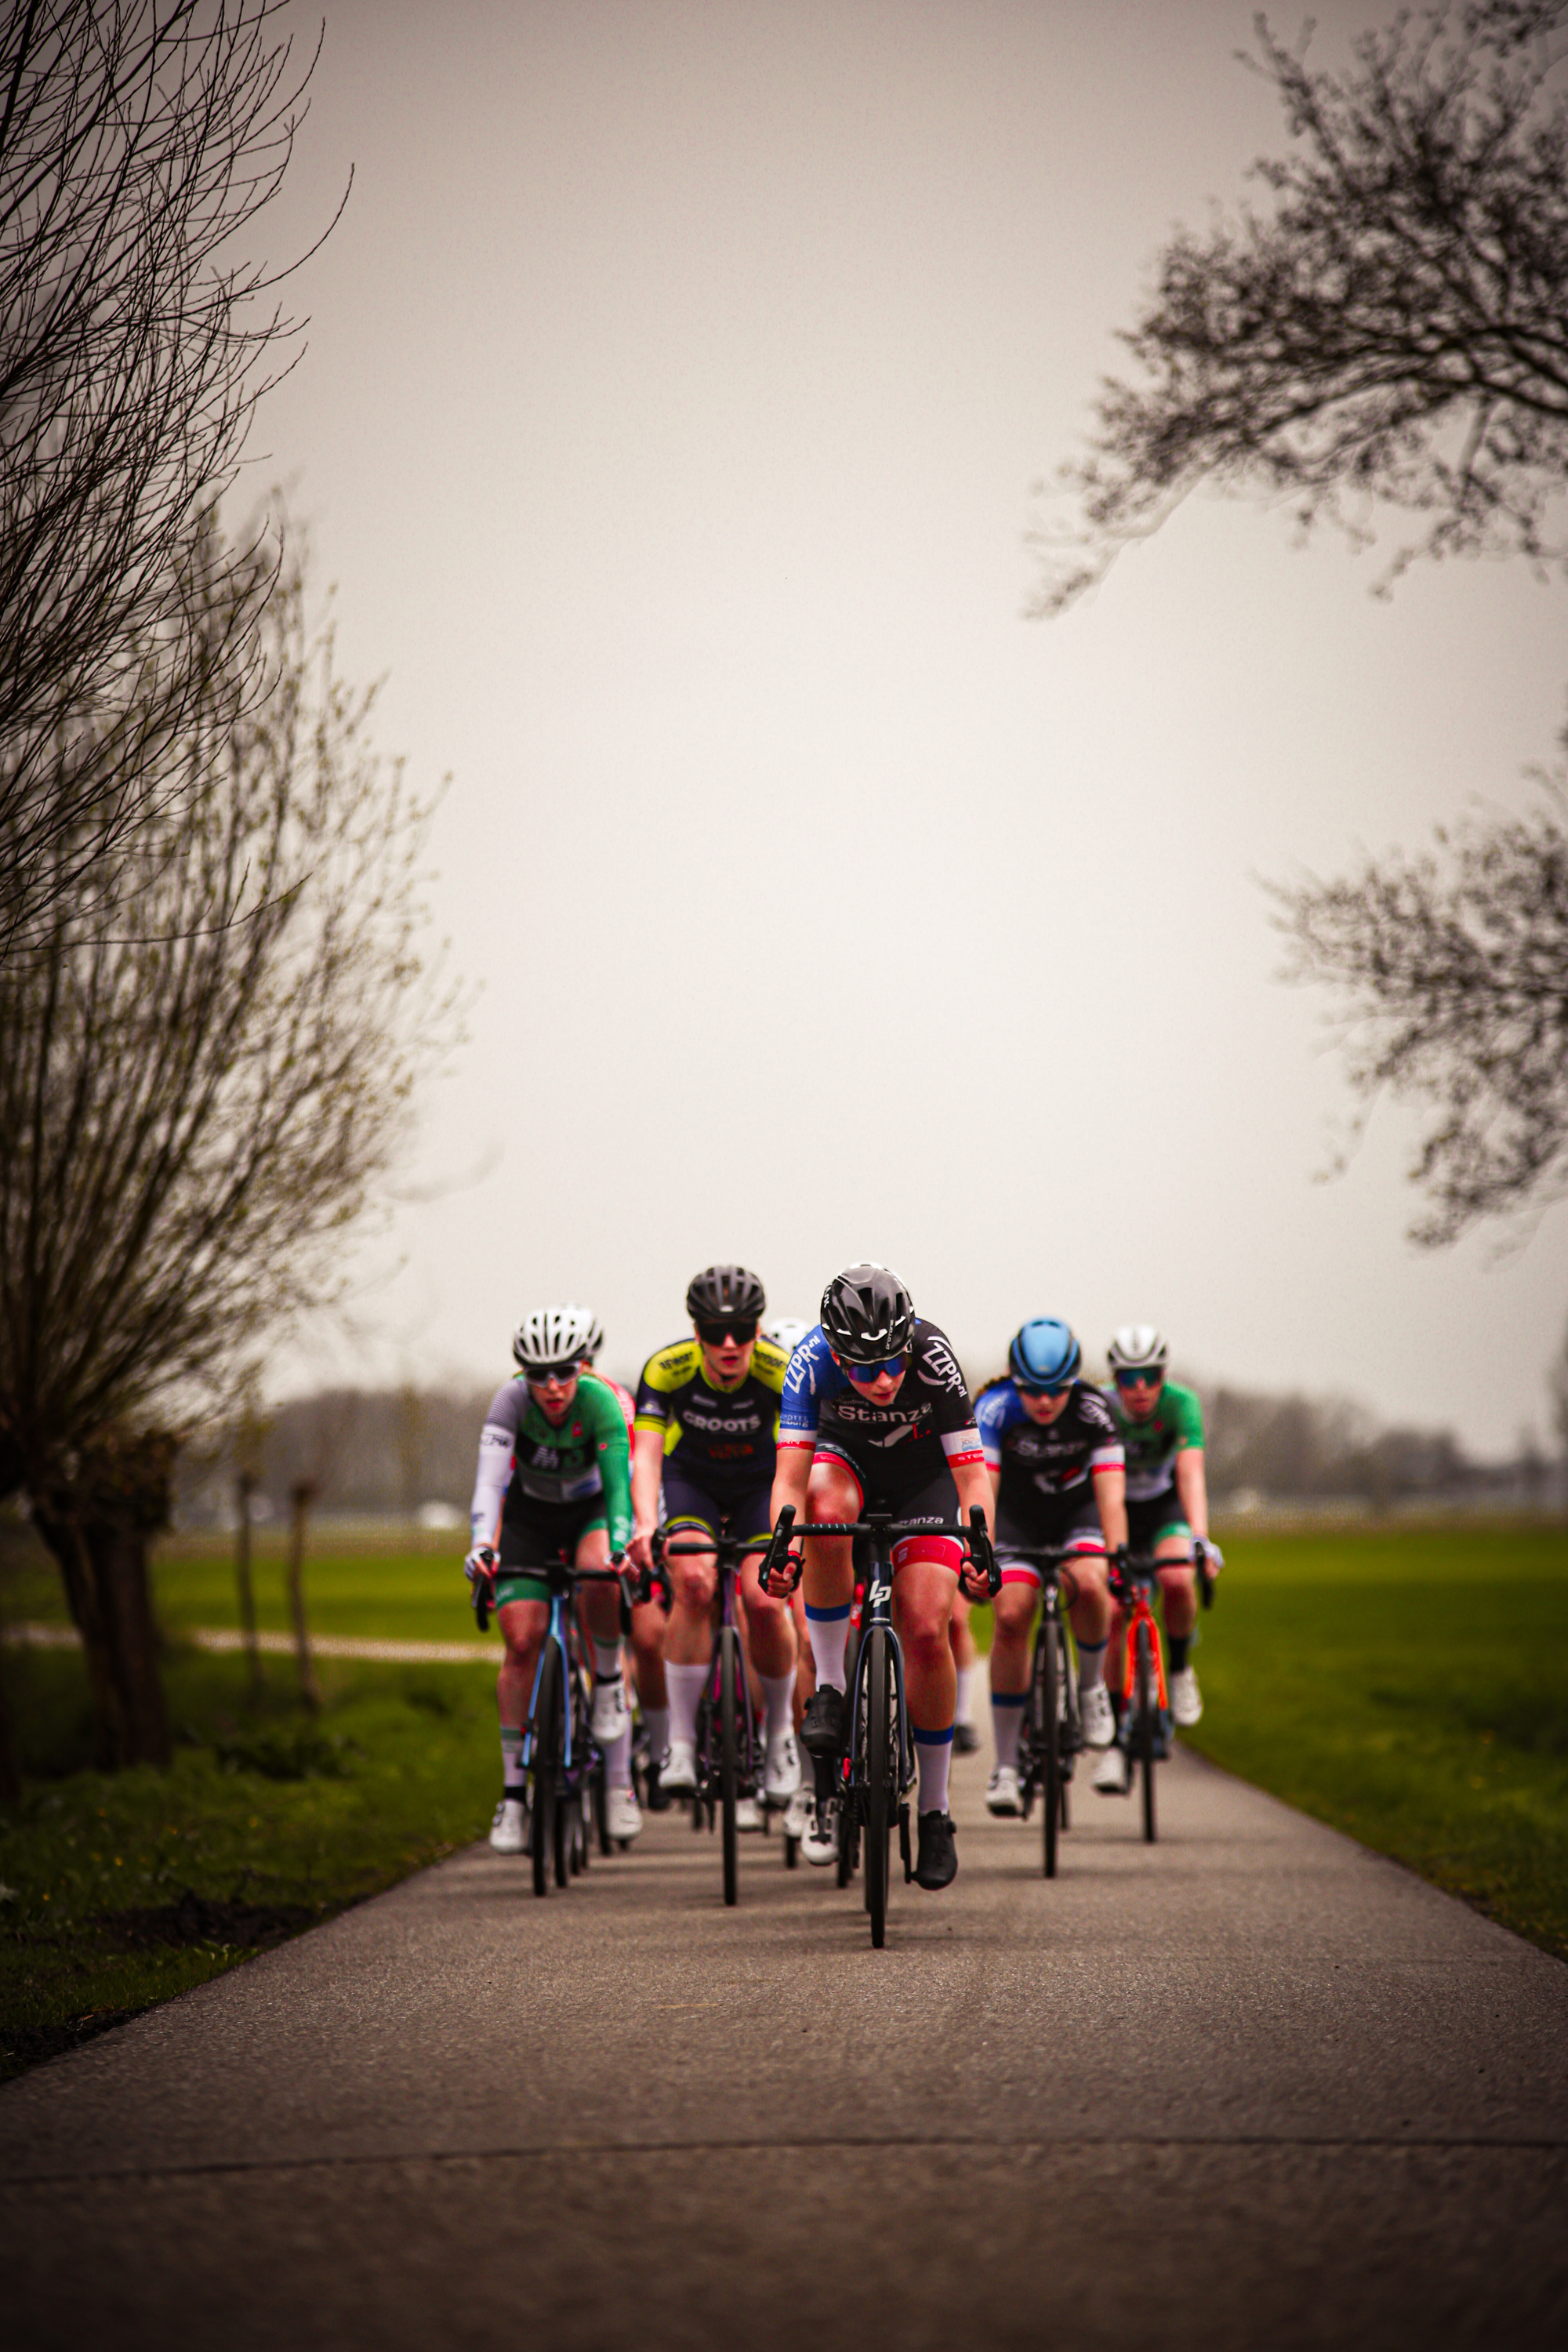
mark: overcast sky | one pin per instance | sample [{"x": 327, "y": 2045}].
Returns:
[{"x": 675, "y": 384}]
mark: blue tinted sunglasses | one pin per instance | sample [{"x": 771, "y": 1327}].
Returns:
[
  {"x": 1041, "y": 1388},
  {"x": 1138, "y": 1376},
  {"x": 864, "y": 1374}
]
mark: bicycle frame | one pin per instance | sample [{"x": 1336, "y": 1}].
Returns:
[{"x": 726, "y": 1773}]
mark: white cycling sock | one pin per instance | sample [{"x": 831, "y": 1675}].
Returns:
[
  {"x": 684, "y": 1685},
  {"x": 512, "y": 1779},
  {"x": 617, "y": 1758},
  {"x": 655, "y": 1723},
  {"x": 1007, "y": 1723},
  {"x": 1090, "y": 1665},
  {"x": 826, "y": 1628},
  {"x": 933, "y": 1754},
  {"x": 607, "y": 1660},
  {"x": 961, "y": 1706},
  {"x": 778, "y": 1699}
]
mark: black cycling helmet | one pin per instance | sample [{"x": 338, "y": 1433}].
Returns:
[
  {"x": 866, "y": 1315},
  {"x": 726, "y": 1294}
]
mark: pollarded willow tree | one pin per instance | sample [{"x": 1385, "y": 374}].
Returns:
[
  {"x": 1389, "y": 331},
  {"x": 139, "y": 141},
  {"x": 198, "y": 1093}
]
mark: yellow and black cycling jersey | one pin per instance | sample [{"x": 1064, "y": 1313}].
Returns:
[{"x": 722, "y": 1438}]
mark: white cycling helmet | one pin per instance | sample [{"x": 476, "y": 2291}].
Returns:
[
  {"x": 595, "y": 1334},
  {"x": 554, "y": 1340},
  {"x": 1137, "y": 1347},
  {"x": 786, "y": 1331}
]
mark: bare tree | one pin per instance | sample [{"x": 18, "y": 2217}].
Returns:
[
  {"x": 138, "y": 138},
  {"x": 1392, "y": 330},
  {"x": 195, "y": 1102},
  {"x": 1455, "y": 968}
]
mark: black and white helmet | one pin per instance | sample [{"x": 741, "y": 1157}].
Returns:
[
  {"x": 554, "y": 1340},
  {"x": 726, "y": 1294},
  {"x": 867, "y": 1314},
  {"x": 1137, "y": 1347}
]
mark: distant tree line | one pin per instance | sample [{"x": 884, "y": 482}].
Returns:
[{"x": 391, "y": 1451}]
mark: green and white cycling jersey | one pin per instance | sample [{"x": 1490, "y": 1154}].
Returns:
[
  {"x": 1152, "y": 1446},
  {"x": 525, "y": 1458}
]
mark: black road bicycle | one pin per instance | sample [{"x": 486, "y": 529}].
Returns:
[
  {"x": 874, "y": 1778},
  {"x": 1053, "y": 1732},
  {"x": 563, "y": 1770},
  {"x": 730, "y": 1746}
]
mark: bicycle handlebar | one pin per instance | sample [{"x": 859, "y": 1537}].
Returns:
[{"x": 779, "y": 1558}]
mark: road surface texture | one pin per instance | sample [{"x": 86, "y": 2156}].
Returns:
[{"x": 1253, "y": 2087}]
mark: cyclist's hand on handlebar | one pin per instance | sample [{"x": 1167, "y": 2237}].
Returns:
[
  {"x": 1116, "y": 1574},
  {"x": 640, "y": 1550},
  {"x": 481, "y": 1562},
  {"x": 1207, "y": 1557}
]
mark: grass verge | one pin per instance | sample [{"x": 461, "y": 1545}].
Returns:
[{"x": 119, "y": 1890}]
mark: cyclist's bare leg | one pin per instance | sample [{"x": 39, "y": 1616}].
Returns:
[
  {"x": 828, "y": 1582},
  {"x": 1015, "y": 1608},
  {"x": 964, "y": 1656},
  {"x": 1178, "y": 1586},
  {"x": 769, "y": 1625},
  {"x": 599, "y": 1615},
  {"x": 923, "y": 1606},
  {"x": 523, "y": 1628},
  {"x": 688, "y": 1635},
  {"x": 804, "y": 1664}
]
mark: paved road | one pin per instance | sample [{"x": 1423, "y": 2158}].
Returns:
[{"x": 1252, "y": 2087}]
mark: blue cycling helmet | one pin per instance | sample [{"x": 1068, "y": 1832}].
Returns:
[{"x": 1044, "y": 1354}]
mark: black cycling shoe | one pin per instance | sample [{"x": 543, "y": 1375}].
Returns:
[
  {"x": 938, "y": 1864},
  {"x": 821, "y": 1726},
  {"x": 965, "y": 1740},
  {"x": 656, "y": 1800}
]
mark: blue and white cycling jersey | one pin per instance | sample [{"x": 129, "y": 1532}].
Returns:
[
  {"x": 1049, "y": 1457},
  {"x": 930, "y": 1416}
]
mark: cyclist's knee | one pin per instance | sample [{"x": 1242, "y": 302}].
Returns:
[{"x": 1015, "y": 1605}]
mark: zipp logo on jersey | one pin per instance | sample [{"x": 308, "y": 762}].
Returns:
[{"x": 937, "y": 1367}]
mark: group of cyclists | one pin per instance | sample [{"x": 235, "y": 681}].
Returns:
[{"x": 866, "y": 1410}]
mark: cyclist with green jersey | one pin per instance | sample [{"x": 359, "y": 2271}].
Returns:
[
  {"x": 553, "y": 1482},
  {"x": 1160, "y": 1426},
  {"x": 707, "y": 1418},
  {"x": 648, "y": 1616}
]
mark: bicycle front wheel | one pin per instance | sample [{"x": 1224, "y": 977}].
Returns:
[
  {"x": 880, "y": 1770},
  {"x": 1148, "y": 1690},
  {"x": 548, "y": 1747},
  {"x": 1046, "y": 1694},
  {"x": 728, "y": 1754}
]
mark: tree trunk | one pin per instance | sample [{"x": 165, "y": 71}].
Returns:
[
  {"x": 300, "y": 1498},
  {"x": 243, "y": 1488},
  {"x": 98, "y": 1526},
  {"x": 10, "y": 1769}
]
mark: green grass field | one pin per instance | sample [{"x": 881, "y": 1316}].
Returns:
[{"x": 1405, "y": 1684}]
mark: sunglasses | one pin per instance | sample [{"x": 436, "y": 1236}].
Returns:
[
  {"x": 1041, "y": 1388},
  {"x": 713, "y": 1335},
  {"x": 864, "y": 1374},
  {"x": 1137, "y": 1379},
  {"x": 556, "y": 1377}
]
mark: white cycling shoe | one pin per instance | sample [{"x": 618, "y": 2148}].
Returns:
[
  {"x": 508, "y": 1831},
  {"x": 1186, "y": 1699},
  {"x": 678, "y": 1773},
  {"x": 799, "y": 1813},
  {"x": 623, "y": 1814},
  {"x": 1097, "y": 1715},
  {"x": 1112, "y": 1776},
  {"x": 610, "y": 1718},
  {"x": 819, "y": 1846},
  {"x": 1003, "y": 1795},
  {"x": 748, "y": 1813},
  {"x": 781, "y": 1774}
]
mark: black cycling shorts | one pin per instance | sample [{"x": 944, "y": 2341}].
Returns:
[
  {"x": 933, "y": 1504},
  {"x": 688, "y": 1503},
  {"x": 535, "y": 1536},
  {"x": 1070, "y": 1519}
]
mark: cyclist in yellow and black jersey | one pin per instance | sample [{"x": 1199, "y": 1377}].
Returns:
[{"x": 707, "y": 1418}]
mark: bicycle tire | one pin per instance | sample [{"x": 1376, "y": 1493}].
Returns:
[
  {"x": 1148, "y": 1700},
  {"x": 729, "y": 1755},
  {"x": 602, "y": 1810},
  {"x": 880, "y": 1771},
  {"x": 547, "y": 1744},
  {"x": 844, "y": 1826},
  {"x": 1047, "y": 1686}
]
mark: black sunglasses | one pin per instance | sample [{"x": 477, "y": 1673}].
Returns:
[{"x": 715, "y": 1334}]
